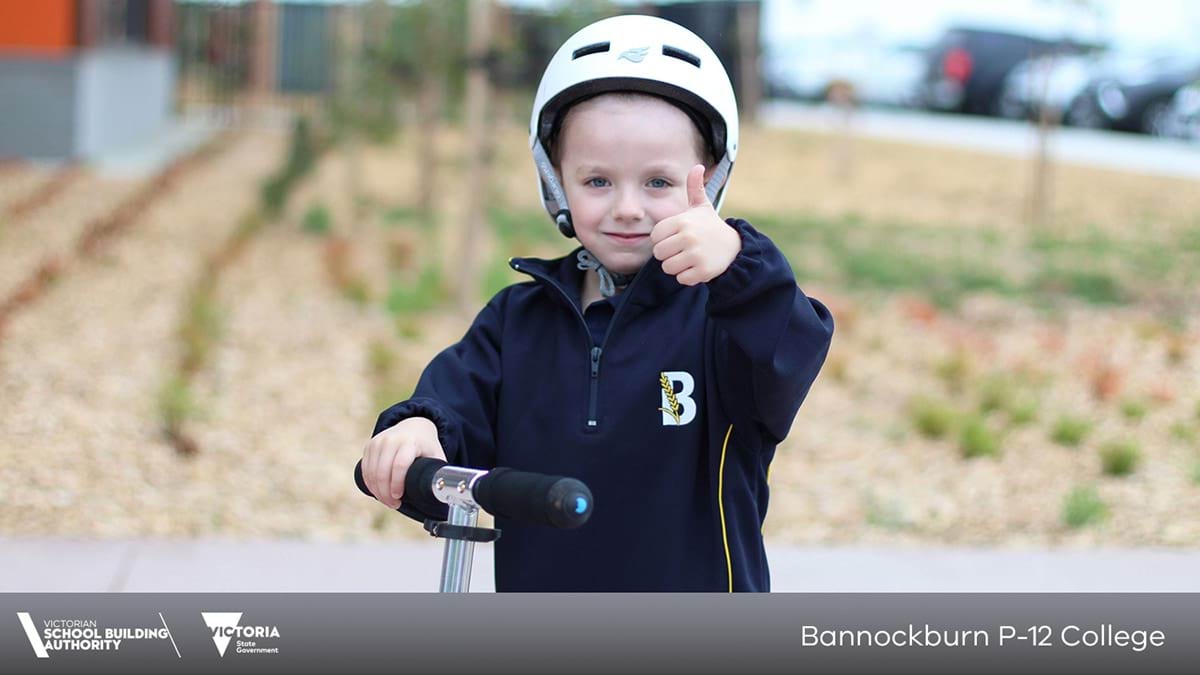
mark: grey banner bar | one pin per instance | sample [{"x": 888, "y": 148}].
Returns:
[{"x": 318, "y": 633}]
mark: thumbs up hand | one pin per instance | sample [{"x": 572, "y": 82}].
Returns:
[{"x": 695, "y": 246}]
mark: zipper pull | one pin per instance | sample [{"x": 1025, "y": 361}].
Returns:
[{"x": 596, "y": 351}]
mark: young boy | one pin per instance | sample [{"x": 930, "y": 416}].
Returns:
[{"x": 661, "y": 363}]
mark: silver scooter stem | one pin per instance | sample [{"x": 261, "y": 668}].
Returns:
[
  {"x": 455, "y": 486},
  {"x": 456, "y": 562}
]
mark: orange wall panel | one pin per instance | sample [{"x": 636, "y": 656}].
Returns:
[{"x": 45, "y": 26}]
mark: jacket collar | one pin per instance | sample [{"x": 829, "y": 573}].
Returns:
[{"x": 650, "y": 286}]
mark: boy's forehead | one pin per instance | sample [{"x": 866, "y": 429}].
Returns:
[{"x": 606, "y": 126}]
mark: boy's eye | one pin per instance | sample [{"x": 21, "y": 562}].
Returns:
[
  {"x": 659, "y": 183},
  {"x": 597, "y": 182}
]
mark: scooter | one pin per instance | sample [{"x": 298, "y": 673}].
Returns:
[{"x": 521, "y": 496}]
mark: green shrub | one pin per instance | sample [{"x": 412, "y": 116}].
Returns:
[
  {"x": 274, "y": 193},
  {"x": 201, "y": 328},
  {"x": 977, "y": 440},
  {"x": 1120, "y": 458},
  {"x": 175, "y": 402},
  {"x": 996, "y": 393},
  {"x": 380, "y": 520},
  {"x": 1095, "y": 287},
  {"x": 1023, "y": 412},
  {"x": 1189, "y": 238},
  {"x": 1133, "y": 409},
  {"x": 1070, "y": 431},
  {"x": 409, "y": 326},
  {"x": 302, "y": 155},
  {"x": 497, "y": 276},
  {"x": 1183, "y": 432},
  {"x": 303, "y": 151},
  {"x": 404, "y": 298},
  {"x": 933, "y": 419},
  {"x": 402, "y": 215},
  {"x": 968, "y": 277},
  {"x": 316, "y": 220},
  {"x": 356, "y": 291},
  {"x": 882, "y": 268},
  {"x": 1083, "y": 506},
  {"x": 518, "y": 229},
  {"x": 954, "y": 370},
  {"x": 381, "y": 358}
]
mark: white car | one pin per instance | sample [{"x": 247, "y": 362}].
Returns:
[{"x": 878, "y": 74}]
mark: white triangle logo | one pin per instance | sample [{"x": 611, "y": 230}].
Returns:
[{"x": 217, "y": 620}]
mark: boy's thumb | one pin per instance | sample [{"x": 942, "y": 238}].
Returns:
[{"x": 695, "y": 187}]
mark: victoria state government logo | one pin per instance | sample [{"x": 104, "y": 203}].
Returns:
[{"x": 226, "y": 627}]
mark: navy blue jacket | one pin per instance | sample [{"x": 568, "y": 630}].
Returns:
[{"x": 679, "y": 478}]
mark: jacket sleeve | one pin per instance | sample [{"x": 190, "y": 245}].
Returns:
[
  {"x": 771, "y": 339},
  {"x": 457, "y": 391}
]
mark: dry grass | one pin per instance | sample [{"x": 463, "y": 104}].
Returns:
[
  {"x": 785, "y": 171},
  {"x": 293, "y": 382}
]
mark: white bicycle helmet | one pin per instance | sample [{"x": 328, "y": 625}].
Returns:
[{"x": 636, "y": 53}]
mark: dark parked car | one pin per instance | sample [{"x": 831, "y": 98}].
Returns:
[
  {"x": 967, "y": 67},
  {"x": 1137, "y": 102}
]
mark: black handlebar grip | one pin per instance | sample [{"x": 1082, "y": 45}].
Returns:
[
  {"x": 418, "y": 483},
  {"x": 525, "y": 497}
]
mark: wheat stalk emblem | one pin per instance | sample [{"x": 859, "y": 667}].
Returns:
[{"x": 669, "y": 390}]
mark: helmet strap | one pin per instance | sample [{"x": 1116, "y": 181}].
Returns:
[
  {"x": 563, "y": 220},
  {"x": 720, "y": 175},
  {"x": 609, "y": 281},
  {"x": 557, "y": 198}
]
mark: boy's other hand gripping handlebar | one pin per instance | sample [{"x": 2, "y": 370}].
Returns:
[{"x": 522, "y": 496}]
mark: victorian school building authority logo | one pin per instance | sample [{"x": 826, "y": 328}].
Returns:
[{"x": 88, "y": 635}]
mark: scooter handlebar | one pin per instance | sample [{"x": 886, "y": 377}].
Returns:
[{"x": 521, "y": 496}]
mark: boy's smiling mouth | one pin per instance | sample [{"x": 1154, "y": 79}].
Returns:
[{"x": 627, "y": 238}]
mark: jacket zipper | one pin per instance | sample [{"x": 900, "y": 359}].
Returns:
[
  {"x": 595, "y": 352},
  {"x": 595, "y": 384}
]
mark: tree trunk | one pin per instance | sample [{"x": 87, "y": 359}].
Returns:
[
  {"x": 478, "y": 190},
  {"x": 748, "y": 18},
  {"x": 429, "y": 105},
  {"x": 262, "y": 61},
  {"x": 348, "y": 45},
  {"x": 1041, "y": 188}
]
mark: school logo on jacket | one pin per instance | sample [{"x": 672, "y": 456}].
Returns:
[{"x": 678, "y": 407}]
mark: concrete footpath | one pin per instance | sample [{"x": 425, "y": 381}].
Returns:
[
  {"x": 215, "y": 565},
  {"x": 1103, "y": 149}
]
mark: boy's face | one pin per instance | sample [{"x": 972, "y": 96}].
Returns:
[{"x": 624, "y": 162}]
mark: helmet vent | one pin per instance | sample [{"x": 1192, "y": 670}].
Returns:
[
  {"x": 592, "y": 49},
  {"x": 678, "y": 53}
]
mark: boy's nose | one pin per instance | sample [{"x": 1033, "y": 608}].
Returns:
[{"x": 628, "y": 208}]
